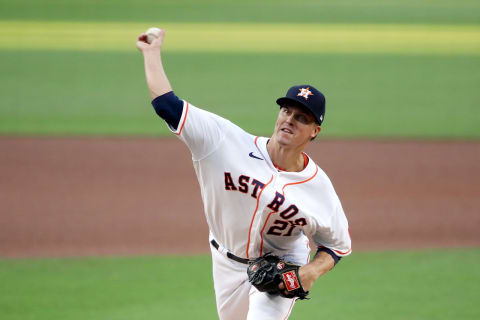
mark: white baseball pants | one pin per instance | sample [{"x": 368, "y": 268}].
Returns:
[{"x": 237, "y": 299}]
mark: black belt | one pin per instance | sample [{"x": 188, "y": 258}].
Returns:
[{"x": 229, "y": 255}]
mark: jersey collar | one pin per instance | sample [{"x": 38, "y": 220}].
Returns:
[{"x": 307, "y": 172}]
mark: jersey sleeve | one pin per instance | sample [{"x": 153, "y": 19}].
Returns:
[
  {"x": 169, "y": 108},
  {"x": 200, "y": 130},
  {"x": 334, "y": 233}
]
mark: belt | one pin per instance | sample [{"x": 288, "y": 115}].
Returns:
[{"x": 229, "y": 255}]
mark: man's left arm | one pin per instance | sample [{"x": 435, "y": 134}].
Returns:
[
  {"x": 333, "y": 243},
  {"x": 320, "y": 265}
]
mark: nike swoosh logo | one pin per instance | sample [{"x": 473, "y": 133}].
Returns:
[{"x": 254, "y": 156}]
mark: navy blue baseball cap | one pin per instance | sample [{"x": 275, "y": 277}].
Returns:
[{"x": 307, "y": 96}]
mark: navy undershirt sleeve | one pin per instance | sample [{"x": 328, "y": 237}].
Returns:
[
  {"x": 169, "y": 107},
  {"x": 330, "y": 252}
]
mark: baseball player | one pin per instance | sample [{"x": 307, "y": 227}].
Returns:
[{"x": 260, "y": 195}]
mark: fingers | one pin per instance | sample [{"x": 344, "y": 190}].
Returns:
[
  {"x": 157, "y": 41},
  {"x": 142, "y": 42},
  {"x": 143, "y": 37},
  {"x": 281, "y": 286},
  {"x": 155, "y": 44},
  {"x": 160, "y": 36}
]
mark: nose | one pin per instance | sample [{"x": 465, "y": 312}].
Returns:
[{"x": 290, "y": 118}]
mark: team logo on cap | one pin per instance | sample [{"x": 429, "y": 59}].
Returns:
[{"x": 305, "y": 92}]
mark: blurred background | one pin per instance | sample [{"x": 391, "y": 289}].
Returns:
[{"x": 100, "y": 211}]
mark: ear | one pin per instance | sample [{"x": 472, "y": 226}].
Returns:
[{"x": 316, "y": 131}]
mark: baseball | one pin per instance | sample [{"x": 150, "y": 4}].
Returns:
[{"x": 152, "y": 34}]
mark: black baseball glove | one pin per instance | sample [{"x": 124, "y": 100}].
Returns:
[{"x": 268, "y": 271}]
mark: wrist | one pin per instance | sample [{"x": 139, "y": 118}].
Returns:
[
  {"x": 308, "y": 275},
  {"x": 313, "y": 271},
  {"x": 320, "y": 265},
  {"x": 151, "y": 53}
]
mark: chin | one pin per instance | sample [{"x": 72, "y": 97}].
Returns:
[{"x": 284, "y": 139}]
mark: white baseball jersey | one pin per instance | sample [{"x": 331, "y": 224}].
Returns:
[{"x": 251, "y": 207}]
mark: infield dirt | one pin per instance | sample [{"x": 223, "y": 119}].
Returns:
[{"x": 114, "y": 196}]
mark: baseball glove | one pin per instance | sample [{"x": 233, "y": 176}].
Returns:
[{"x": 268, "y": 271}]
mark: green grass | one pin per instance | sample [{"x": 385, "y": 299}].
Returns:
[
  {"x": 389, "y": 68},
  {"x": 106, "y": 288},
  {"x": 434, "y": 284},
  {"x": 367, "y": 95},
  {"x": 414, "y": 39},
  {"x": 301, "y": 11}
]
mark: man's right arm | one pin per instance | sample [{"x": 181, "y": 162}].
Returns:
[
  {"x": 165, "y": 102},
  {"x": 157, "y": 80},
  {"x": 203, "y": 131}
]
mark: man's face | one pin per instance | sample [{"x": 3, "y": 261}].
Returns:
[{"x": 295, "y": 126}]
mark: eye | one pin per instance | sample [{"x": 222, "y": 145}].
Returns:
[{"x": 301, "y": 118}]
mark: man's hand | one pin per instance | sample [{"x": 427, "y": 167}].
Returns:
[
  {"x": 156, "y": 44},
  {"x": 268, "y": 271},
  {"x": 157, "y": 80}
]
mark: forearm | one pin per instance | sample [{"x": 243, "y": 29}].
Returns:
[
  {"x": 320, "y": 265},
  {"x": 157, "y": 80}
]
